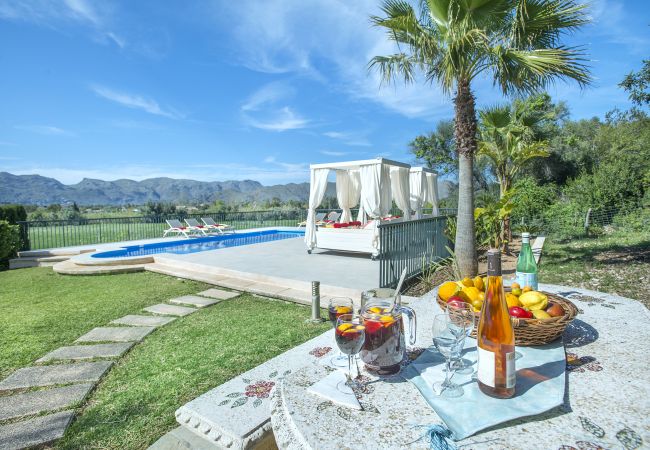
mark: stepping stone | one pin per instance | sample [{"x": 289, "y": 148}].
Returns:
[
  {"x": 38, "y": 431},
  {"x": 219, "y": 294},
  {"x": 143, "y": 321},
  {"x": 28, "y": 403},
  {"x": 57, "y": 374},
  {"x": 199, "y": 302},
  {"x": 170, "y": 310},
  {"x": 88, "y": 351},
  {"x": 116, "y": 334}
]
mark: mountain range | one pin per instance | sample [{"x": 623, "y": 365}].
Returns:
[{"x": 40, "y": 190}]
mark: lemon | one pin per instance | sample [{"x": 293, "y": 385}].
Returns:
[
  {"x": 540, "y": 314},
  {"x": 447, "y": 290},
  {"x": 467, "y": 281},
  {"x": 478, "y": 283},
  {"x": 534, "y": 300},
  {"x": 470, "y": 294},
  {"x": 512, "y": 300},
  {"x": 515, "y": 285}
]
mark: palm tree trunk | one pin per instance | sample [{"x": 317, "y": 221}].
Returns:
[
  {"x": 506, "y": 230},
  {"x": 465, "y": 135}
]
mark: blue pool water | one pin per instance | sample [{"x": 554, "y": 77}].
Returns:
[{"x": 201, "y": 244}]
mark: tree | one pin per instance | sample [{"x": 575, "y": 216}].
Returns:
[
  {"x": 637, "y": 85},
  {"x": 518, "y": 42}
]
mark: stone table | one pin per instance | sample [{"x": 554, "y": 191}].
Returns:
[{"x": 607, "y": 401}]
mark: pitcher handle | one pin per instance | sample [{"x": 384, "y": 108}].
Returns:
[{"x": 408, "y": 312}]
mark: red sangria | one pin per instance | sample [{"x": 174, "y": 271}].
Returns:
[
  {"x": 350, "y": 334},
  {"x": 385, "y": 345},
  {"x": 338, "y": 306}
]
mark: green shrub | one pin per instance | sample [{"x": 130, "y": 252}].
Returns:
[
  {"x": 13, "y": 213},
  {"x": 637, "y": 221},
  {"x": 9, "y": 241},
  {"x": 530, "y": 199}
]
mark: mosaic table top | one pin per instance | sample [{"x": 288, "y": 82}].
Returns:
[{"x": 607, "y": 402}]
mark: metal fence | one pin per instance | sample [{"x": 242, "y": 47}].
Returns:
[
  {"x": 412, "y": 245},
  {"x": 42, "y": 234}
]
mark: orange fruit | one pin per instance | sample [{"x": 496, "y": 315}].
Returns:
[
  {"x": 478, "y": 283},
  {"x": 447, "y": 290},
  {"x": 527, "y": 289},
  {"x": 515, "y": 285},
  {"x": 344, "y": 326}
]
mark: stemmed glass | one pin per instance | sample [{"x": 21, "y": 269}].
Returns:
[
  {"x": 337, "y": 307},
  {"x": 462, "y": 313},
  {"x": 448, "y": 338},
  {"x": 350, "y": 334}
]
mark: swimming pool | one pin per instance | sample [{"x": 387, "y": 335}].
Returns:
[{"x": 201, "y": 244}]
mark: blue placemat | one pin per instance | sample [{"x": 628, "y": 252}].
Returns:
[{"x": 540, "y": 387}]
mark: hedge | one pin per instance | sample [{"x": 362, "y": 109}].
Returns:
[{"x": 13, "y": 213}]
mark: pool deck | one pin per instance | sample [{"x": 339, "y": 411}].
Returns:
[{"x": 288, "y": 259}]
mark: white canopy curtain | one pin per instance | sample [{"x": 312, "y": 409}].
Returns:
[
  {"x": 418, "y": 186},
  {"x": 317, "y": 188},
  {"x": 432, "y": 192},
  {"x": 400, "y": 186},
  {"x": 348, "y": 191}
]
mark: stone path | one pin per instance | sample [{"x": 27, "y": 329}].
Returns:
[{"x": 53, "y": 388}]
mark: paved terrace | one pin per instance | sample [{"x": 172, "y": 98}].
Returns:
[{"x": 289, "y": 259}]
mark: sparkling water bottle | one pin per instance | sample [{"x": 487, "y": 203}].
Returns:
[{"x": 526, "y": 267}]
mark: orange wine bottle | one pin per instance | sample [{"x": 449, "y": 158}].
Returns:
[{"x": 495, "y": 339}]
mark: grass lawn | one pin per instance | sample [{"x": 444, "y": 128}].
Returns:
[
  {"x": 616, "y": 263},
  {"x": 134, "y": 405},
  {"x": 41, "y": 310}
]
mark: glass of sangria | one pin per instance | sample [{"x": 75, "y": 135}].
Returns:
[
  {"x": 337, "y": 307},
  {"x": 350, "y": 333}
]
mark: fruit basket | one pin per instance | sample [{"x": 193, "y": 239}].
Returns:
[{"x": 531, "y": 332}]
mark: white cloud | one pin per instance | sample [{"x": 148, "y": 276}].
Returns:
[
  {"x": 297, "y": 36},
  {"x": 264, "y": 109},
  {"x": 332, "y": 153},
  {"x": 83, "y": 10},
  {"x": 44, "y": 129},
  {"x": 612, "y": 21},
  {"x": 350, "y": 138},
  {"x": 136, "y": 102}
]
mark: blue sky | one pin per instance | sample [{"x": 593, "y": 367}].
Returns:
[{"x": 216, "y": 90}]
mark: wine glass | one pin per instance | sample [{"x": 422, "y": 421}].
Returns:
[
  {"x": 448, "y": 338},
  {"x": 338, "y": 306},
  {"x": 350, "y": 334},
  {"x": 464, "y": 313}
]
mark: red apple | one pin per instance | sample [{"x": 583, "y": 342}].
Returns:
[
  {"x": 520, "y": 313},
  {"x": 456, "y": 302}
]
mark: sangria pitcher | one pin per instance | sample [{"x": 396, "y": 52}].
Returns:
[{"x": 385, "y": 344}]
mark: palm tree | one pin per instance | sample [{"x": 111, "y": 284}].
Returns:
[{"x": 451, "y": 42}]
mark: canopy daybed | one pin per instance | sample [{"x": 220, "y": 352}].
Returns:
[
  {"x": 424, "y": 189},
  {"x": 372, "y": 184}
]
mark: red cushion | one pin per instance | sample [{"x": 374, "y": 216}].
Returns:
[
  {"x": 355, "y": 223},
  {"x": 341, "y": 225}
]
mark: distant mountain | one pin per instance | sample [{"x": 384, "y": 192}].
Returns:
[{"x": 39, "y": 190}]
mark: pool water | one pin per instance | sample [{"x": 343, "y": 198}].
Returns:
[{"x": 201, "y": 244}]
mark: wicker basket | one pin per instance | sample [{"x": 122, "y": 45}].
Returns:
[{"x": 530, "y": 332}]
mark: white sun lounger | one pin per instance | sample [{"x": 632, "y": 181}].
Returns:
[
  {"x": 318, "y": 218},
  {"x": 219, "y": 227},
  {"x": 175, "y": 226}
]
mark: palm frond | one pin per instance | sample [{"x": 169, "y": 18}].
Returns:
[
  {"x": 392, "y": 66},
  {"x": 540, "y": 23}
]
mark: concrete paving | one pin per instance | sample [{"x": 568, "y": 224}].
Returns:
[
  {"x": 57, "y": 374},
  {"x": 78, "y": 352},
  {"x": 183, "y": 439},
  {"x": 143, "y": 321},
  {"x": 38, "y": 431},
  {"x": 116, "y": 334},
  {"x": 199, "y": 302},
  {"x": 219, "y": 294},
  {"x": 28, "y": 403},
  {"x": 170, "y": 310},
  {"x": 288, "y": 258}
]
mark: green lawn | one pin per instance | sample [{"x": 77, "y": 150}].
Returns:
[
  {"x": 41, "y": 310},
  {"x": 134, "y": 404},
  {"x": 616, "y": 263}
]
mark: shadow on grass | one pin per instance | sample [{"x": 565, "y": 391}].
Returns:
[{"x": 602, "y": 253}]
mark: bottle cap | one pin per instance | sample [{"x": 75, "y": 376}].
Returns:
[
  {"x": 494, "y": 262},
  {"x": 525, "y": 234}
]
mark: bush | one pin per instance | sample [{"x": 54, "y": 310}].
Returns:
[
  {"x": 637, "y": 221},
  {"x": 13, "y": 213},
  {"x": 9, "y": 241},
  {"x": 530, "y": 199}
]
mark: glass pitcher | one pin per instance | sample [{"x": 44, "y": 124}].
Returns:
[{"x": 385, "y": 344}]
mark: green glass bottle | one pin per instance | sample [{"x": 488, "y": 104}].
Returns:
[{"x": 526, "y": 267}]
